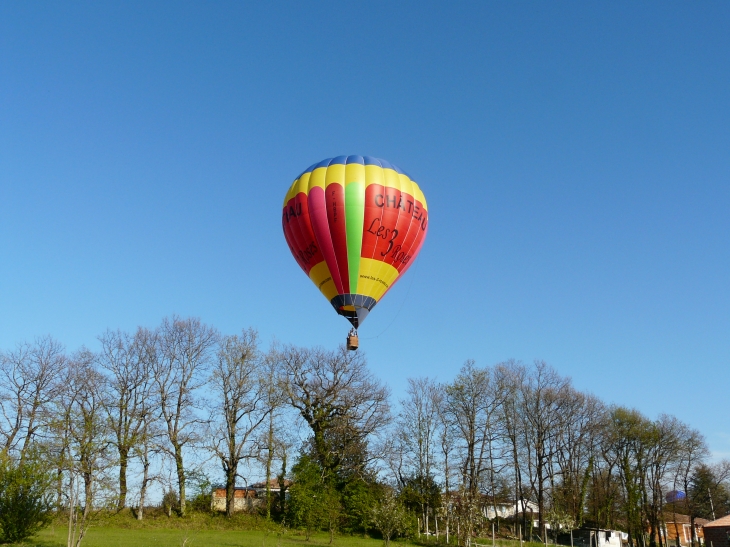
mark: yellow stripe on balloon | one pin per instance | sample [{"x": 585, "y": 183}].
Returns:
[
  {"x": 368, "y": 276},
  {"x": 334, "y": 173},
  {"x": 375, "y": 277},
  {"x": 406, "y": 185},
  {"x": 354, "y": 172},
  {"x": 419, "y": 196},
  {"x": 321, "y": 276},
  {"x": 391, "y": 179},
  {"x": 374, "y": 175},
  {"x": 291, "y": 192},
  {"x": 299, "y": 185},
  {"x": 317, "y": 178},
  {"x": 302, "y": 185}
]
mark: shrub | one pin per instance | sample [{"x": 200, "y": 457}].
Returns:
[
  {"x": 25, "y": 498},
  {"x": 170, "y": 502}
]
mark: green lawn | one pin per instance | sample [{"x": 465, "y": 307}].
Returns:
[
  {"x": 215, "y": 530},
  {"x": 109, "y": 536},
  {"x": 159, "y": 537}
]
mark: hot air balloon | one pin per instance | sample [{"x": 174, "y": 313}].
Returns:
[
  {"x": 354, "y": 224},
  {"x": 674, "y": 496}
]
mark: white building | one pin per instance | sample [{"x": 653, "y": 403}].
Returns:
[{"x": 506, "y": 510}]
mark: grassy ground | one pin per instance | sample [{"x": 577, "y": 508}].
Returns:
[
  {"x": 106, "y": 536},
  {"x": 161, "y": 537},
  {"x": 206, "y": 530}
]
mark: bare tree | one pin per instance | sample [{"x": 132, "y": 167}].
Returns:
[
  {"x": 339, "y": 399},
  {"x": 543, "y": 397},
  {"x": 472, "y": 402},
  {"x": 661, "y": 458},
  {"x": 241, "y": 404},
  {"x": 575, "y": 454},
  {"x": 446, "y": 442},
  {"x": 511, "y": 376},
  {"x": 30, "y": 376},
  {"x": 145, "y": 449},
  {"x": 276, "y": 439},
  {"x": 128, "y": 362},
  {"x": 416, "y": 438},
  {"x": 691, "y": 451},
  {"x": 82, "y": 425},
  {"x": 184, "y": 350},
  {"x": 417, "y": 425}
]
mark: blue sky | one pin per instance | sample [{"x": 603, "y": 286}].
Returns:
[{"x": 575, "y": 157}]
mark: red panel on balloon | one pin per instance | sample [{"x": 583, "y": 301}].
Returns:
[
  {"x": 335, "y": 202},
  {"x": 321, "y": 229}
]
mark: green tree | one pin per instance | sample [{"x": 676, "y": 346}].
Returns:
[
  {"x": 358, "y": 497},
  {"x": 710, "y": 497},
  {"x": 314, "y": 503},
  {"x": 389, "y": 516},
  {"x": 25, "y": 498},
  {"x": 629, "y": 438},
  {"x": 421, "y": 491}
]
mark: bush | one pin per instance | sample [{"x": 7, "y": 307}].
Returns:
[
  {"x": 25, "y": 498},
  {"x": 170, "y": 502},
  {"x": 202, "y": 491}
]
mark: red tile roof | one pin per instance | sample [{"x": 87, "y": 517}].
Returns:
[{"x": 724, "y": 521}]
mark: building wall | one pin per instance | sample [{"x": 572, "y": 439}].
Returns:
[
  {"x": 241, "y": 501},
  {"x": 685, "y": 533},
  {"x": 718, "y": 535},
  {"x": 597, "y": 538}
]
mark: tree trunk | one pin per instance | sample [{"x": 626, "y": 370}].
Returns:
[
  {"x": 269, "y": 460},
  {"x": 88, "y": 492},
  {"x": 59, "y": 486},
  {"x": 540, "y": 495},
  {"x": 71, "y": 511},
  {"x": 230, "y": 490},
  {"x": 123, "y": 462},
  {"x": 282, "y": 487},
  {"x": 180, "y": 478},
  {"x": 143, "y": 488}
]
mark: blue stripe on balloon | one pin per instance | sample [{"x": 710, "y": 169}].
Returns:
[{"x": 362, "y": 160}]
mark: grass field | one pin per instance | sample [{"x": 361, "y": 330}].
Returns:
[
  {"x": 200, "y": 530},
  {"x": 55, "y": 536},
  {"x": 160, "y": 537}
]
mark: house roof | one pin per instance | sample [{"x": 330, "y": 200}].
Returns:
[
  {"x": 273, "y": 483},
  {"x": 724, "y": 521},
  {"x": 238, "y": 492},
  {"x": 683, "y": 519}
]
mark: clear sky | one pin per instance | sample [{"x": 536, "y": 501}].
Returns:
[{"x": 575, "y": 157}]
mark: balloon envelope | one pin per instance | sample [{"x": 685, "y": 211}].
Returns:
[
  {"x": 675, "y": 496},
  {"x": 354, "y": 224}
]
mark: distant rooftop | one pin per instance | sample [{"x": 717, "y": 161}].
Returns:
[{"x": 724, "y": 521}]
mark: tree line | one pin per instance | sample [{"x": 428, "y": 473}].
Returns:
[{"x": 152, "y": 406}]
